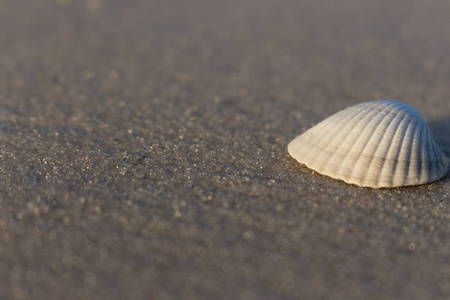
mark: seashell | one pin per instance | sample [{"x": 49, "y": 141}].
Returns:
[{"x": 377, "y": 144}]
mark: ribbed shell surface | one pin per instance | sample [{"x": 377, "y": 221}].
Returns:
[{"x": 373, "y": 144}]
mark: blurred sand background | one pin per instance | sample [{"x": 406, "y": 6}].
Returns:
[{"x": 143, "y": 149}]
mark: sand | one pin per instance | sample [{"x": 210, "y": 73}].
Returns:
[{"x": 143, "y": 150}]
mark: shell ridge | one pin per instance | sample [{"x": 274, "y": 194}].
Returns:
[
  {"x": 445, "y": 162},
  {"x": 400, "y": 119},
  {"x": 357, "y": 142},
  {"x": 409, "y": 153},
  {"x": 372, "y": 110},
  {"x": 358, "y": 109},
  {"x": 365, "y": 146},
  {"x": 320, "y": 128},
  {"x": 348, "y": 119},
  {"x": 415, "y": 132},
  {"x": 338, "y": 167},
  {"x": 410, "y": 128},
  {"x": 431, "y": 164},
  {"x": 394, "y": 159},
  {"x": 438, "y": 159},
  {"x": 336, "y": 117}
]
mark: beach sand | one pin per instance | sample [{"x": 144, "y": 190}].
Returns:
[{"x": 143, "y": 150}]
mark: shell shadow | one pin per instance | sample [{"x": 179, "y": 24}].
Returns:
[{"x": 440, "y": 129}]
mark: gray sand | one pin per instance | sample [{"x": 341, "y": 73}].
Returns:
[{"x": 143, "y": 150}]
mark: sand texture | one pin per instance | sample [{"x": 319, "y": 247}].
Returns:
[{"x": 143, "y": 149}]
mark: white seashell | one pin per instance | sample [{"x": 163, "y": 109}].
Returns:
[{"x": 373, "y": 144}]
